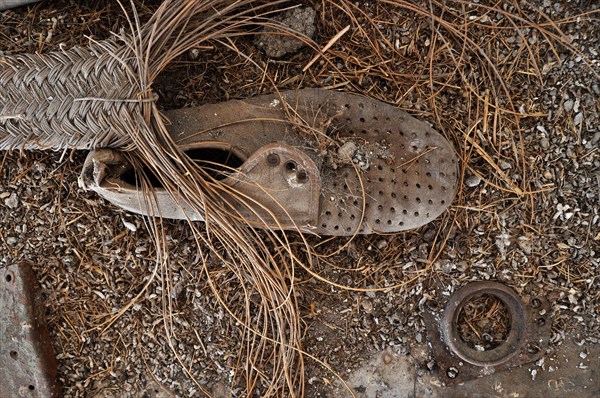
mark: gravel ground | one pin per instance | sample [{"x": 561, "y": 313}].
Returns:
[{"x": 92, "y": 259}]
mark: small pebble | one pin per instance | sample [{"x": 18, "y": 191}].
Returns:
[
  {"x": 299, "y": 19},
  {"x": 130, "y": 226},
  {"x": 194, "y": 54},
  {"x": 568, "y": 105},
  {"x": 347, "y": 150},
  {"x": 472, "y": 181},
  {"x": 12, "y": 201},
  {"x": 429, "y": 234},
  {"x": 367, "y": 306},
  {"x": 381, "y": 244},
  {"x": 462, "y": 266},
  {"x": 448, "y": 267}
]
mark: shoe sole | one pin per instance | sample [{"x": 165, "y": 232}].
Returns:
[{"x": 321, "y": 161}]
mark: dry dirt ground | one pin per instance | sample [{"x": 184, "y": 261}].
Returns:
[{"x": 513, "y": 85}]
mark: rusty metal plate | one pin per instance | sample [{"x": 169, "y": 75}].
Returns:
[
  {"x": 27, "y": 361},
  {"x": 527, "y": 338}
]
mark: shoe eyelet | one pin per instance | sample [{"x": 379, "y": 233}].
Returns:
[
  {"x": 273, "y": 159},
  {"x": 302, "y": 177},
  {"x": 290, "y": 165}
]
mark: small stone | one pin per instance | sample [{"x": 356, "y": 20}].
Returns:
[
  {"x": 347, "y": 150},
  {"x": 568, "y": 105},
  {"x": 276, "y": 44},
  {"x": 448, "y": 266},
  {"x": 130, "y": 226},
  {"x": 576, "y": 105},
  {"x": 462, "y": 266},
  {"x": 578, "y": 119},
  {"x": 472, "y": 181},
  {"x": 194, "y": 54},
  {"x": 381, "y": 244},
  {"x": 12, "y": 201},
  {"x": 429, "y": 235},
  {"x": 525, "y": 244},
  {"x": 367, "y": 306}
]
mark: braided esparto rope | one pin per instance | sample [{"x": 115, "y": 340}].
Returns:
[{"x": 80, "y": 98}]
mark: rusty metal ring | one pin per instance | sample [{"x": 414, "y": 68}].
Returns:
[{"x": 518, "y": 324}]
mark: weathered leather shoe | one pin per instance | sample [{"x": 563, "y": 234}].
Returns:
[{"x": 325, "y": 162}]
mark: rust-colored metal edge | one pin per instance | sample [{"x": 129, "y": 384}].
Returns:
[
  {"x": 27, "y": 361},
  {"x": 530, "y": 323}
]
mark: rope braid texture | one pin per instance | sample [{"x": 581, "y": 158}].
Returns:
[
  {"x": 101, "y": 96},
  {"x": 78, "y": 98}
]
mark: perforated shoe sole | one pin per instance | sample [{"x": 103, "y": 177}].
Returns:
[{"x": 326, "y": 162}]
